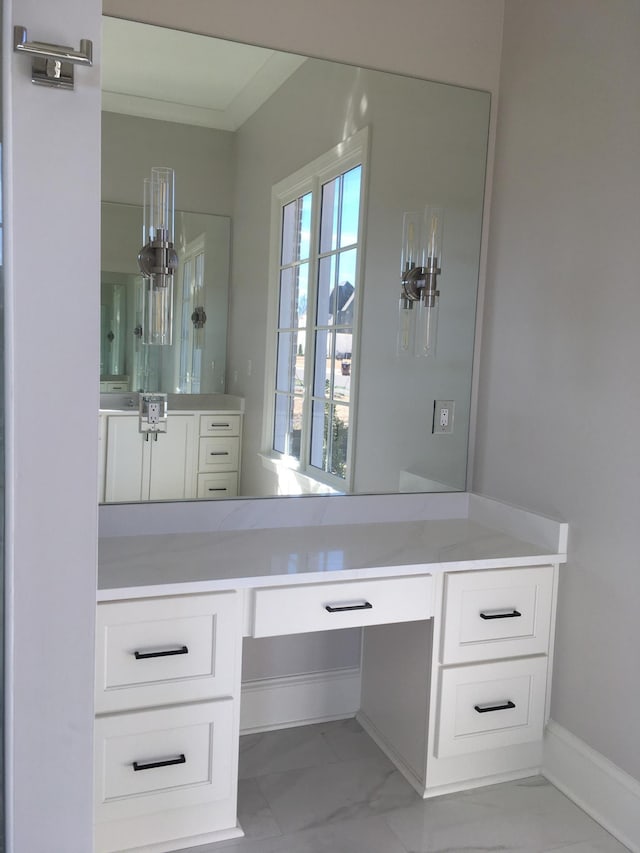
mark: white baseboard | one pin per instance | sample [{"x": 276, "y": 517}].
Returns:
[
  {"x": 604, "y": 791},
  {"x": 297, "y": 700},
  {"x": 191, "y": 840}
]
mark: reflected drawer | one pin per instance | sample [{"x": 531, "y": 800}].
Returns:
[
  {"x": 218, "y": 485},
  {"x": 161, "y": 650},
  {"x": 347, "y": 604},
  {"x": 496, "y": 613},
  {"x": 218, "y": 454},
  {"x": 167, "y": 758},
  {"x": 487, "y": 706},
  {"x": 220, "y": 424}
]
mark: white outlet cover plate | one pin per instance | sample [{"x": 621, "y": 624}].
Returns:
[{"x": 443, "y": 412}]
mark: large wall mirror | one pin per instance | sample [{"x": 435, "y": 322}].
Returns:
[{"x": 292, "y": 177}]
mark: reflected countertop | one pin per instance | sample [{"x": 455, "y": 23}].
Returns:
[
  {"x": 165, "y": 564},
  {"x": 126, "y": 403}
]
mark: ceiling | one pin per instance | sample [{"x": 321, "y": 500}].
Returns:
[{"x": 165, "y": 74}]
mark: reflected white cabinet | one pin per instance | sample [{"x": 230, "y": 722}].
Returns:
[
  {"x": 115, "y": 385},
  {"x": 197, "y": 457},
  {"x": 148, "y": 466},
  {"x": 219, "y": 456}
]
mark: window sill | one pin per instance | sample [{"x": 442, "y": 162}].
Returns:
[{"x": 293, "y": 482}]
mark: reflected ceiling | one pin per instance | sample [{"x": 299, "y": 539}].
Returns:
[{"x": 170, "y": 75}]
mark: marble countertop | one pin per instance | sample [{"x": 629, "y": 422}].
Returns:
[{"x": 166, "y": 564}]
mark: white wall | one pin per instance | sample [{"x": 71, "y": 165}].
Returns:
[
  {"x": 559, "y": 402},
  {"x": 203, "y": 159},
  {"x": 455, "y": 41},
  {"x": 52, "y": 181}
]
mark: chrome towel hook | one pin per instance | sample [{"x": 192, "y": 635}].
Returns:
[{"x": 52, "y": 64}]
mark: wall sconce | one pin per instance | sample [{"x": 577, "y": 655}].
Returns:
[
  {"x": 421, "y": 256},
  {"x": 157, "y": 258}
]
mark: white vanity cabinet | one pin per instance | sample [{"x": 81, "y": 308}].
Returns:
[
  {"x": 486, "y": 661},
  {"x": 492, "y": 708},
  {"x": 148, "y": 466},
  {"x": 166, "y": 730},
  {"x": 457, "y": 620},
  {"x": 197, "y": 457}
]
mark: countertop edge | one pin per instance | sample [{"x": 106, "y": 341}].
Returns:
[{"x": 249, "y": 582}]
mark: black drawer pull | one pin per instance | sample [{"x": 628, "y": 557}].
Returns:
[
  {"x": 499, "y": 614},
  {"x": 183, "y": 650},
  {"x": 217, "y": 426},
  {"x": 341, "y": 608},
  {"x": 219, "y": 453},
  {"x": 151, "y": 765},
  {"x": 486, "y": 707},
  {"x": 221, "y": 489}
]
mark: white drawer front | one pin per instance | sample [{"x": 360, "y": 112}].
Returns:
[
  {"x": 493, "y": 705},
  {"x": 162, "y": 650},
  {"x": 218, "y": 454},
  {"x": 324, "y": 607},
  {"x": 496, "y": 613},
  {"x": 218, "y": 485},
  {"x": 220, "y": 424},
  {"x": 183, "y": 755}
]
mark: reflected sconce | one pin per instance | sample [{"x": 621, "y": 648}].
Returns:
[
  {"x": 157, "y": 259},
  {"x": 198, "y": 318},
  {"x": 420, "y": 268}
]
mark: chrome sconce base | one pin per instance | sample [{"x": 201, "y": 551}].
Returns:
[
  {"x": 421, "y": 283},
  {"x": 199, "y": 317},
  {"x": 158, "y": 258}
]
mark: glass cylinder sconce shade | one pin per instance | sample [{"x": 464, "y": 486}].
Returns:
[
  {"x": 411, "y": 233},
  {"x": 157, "y": 324},
  {"x": 157, "y": 259},
  {"x": 406, "y": 327},
  {"x": 431, "y": 254},
  {"x": 420, "y": 267},
  {"x": 432, "y": 240},
  {"x": 427, "y": 326}
]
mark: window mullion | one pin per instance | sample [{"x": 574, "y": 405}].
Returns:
[{"x": 310, "y": 334}]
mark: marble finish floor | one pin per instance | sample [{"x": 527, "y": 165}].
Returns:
[{"x": 327, "y": 788}]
